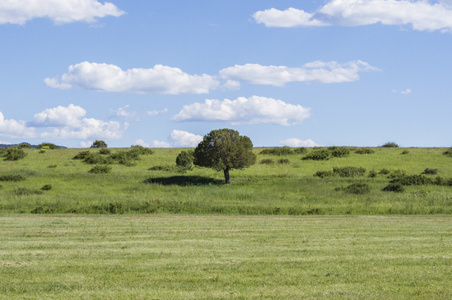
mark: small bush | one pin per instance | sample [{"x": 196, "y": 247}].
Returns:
[
  {"x": 384, "y": 171},
  {"x": 97, "y": 159},
  {"x": 100, "y": 169},
  {"x": 185, "y": 159},
  {"x": 349, "y": 171},
  {"x": 47, "y": 146},
  {"x": 105, "y": 151},
  {"x": 428, "y": 171},
  {"x": 323, "y": 174},
  {"x": 405, "y": 152},
  {"x": 24, "y": 145},
  {"x": 372, "y": 174},
  {"x": 278, "y": 151},
  {"x": 365, "y": 151},
  {"x": 394, "y": 187},
  {"x": 14, "y": 153},
  {"x": 283, "y": 161},
  {"x": 46, "y": 187},
  {"x": 397, "y": 174},
  {"x": 267, "y": 161},
  {"x": 11, "y": 178},
  {"x": 412, "y": 180},
  {"x": 390, "y": 145},
  {"x": 82, "y": 155},
  {"x": 357, "y": 188},
  {"x": 42, "y": 151},
  {"x": 321, "y": 154},
  {"x": 300, "y": 150},
  {"x": 140, "y": 150},
  {"x": 448, "y": 152},
  {"x": 340, "y": 152}
]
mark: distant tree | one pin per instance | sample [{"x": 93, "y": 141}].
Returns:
[
  {"x": 224, "y": 150},
  {"x": 99, "y": 144},
  {"x": 47, "y": 146}
]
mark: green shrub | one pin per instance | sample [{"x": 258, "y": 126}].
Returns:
[
  {"x": 11, "y": 178},
  {"x": 321, "y": 154},
  {"x": 365, "y": 151},
  {"x": 323, "y": 174},
  {"x": 384, "y": 171},
  {"x": 42, "y": 151},
  {"x": 14, "y": 153},
  {"x": 47, "y": 146},
  {"x": 105, "y": 151},
  {"x": 397, "y": 174},
  {"x": 349, "y": 171},
  {"x": 412, "y": 180},
  {"x": 448, "y": 152},
  {"x": 404, "y": 152},
  {"x": 390, "y": 145},
  {"x": 300, "y": 150},
  {"x": 428, "y": 171},
  {"x": 46, "y": 187},
  {"x": 283, "y": 161},
  {"x": 185, "y": 159},
  {"x": 267, "y": 161},
  {"x": 140, "y": 150},
  {"x": 340, "y": 152},
  {"x": 394, "y": 187},
  {"x": 24, "y": 145},
  {"x": 357, "y": 188},
  {"x": 372, "y": 174},
  {"x": 100, "y": 169},
  {"x": 286, "y": 150},
  {"x": 96, "y": 158},
  {"x": 82, "y": 155}
]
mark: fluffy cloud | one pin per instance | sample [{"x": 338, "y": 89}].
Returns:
[
  {"x": 110, "y": 78},
  {"x": 15, "y": 129},
  {"x": 70, "y": 122},
  {"x": 294, "y": 142},
  {"x": 60, "y": 11},
  {"x": 422, "y": 15},
  {"x": 156, "y": 112},
  {"x": 253, "y": 110},
  {"x": 160, "y": 144},
  {"x": 325, "y": 72},
  {"x": 177, "y": 138}
]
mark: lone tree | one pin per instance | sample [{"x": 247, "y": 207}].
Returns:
[
  {"x": 224, "y": 150},
  {"x": 99, "y": 144}
]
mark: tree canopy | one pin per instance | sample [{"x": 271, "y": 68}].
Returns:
[{"x": 224, "y": 150}]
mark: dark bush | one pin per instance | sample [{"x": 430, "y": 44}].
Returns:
[
  {"x": 283, "y": 161},
  {"x": 100, "y": 169},
  {"x": 14, "y": 153},
  {"x": 365, "y": 151},
  {"x": 140, "y": 150},
  {"x": 24, "y": 146},
  {"x": 397, "y": 174},
  {"x": 278, "y": 151},
  {"x": 82, "y": 155},
  {"x": 323, "y": 174},
  {"x": 340, "y": 152},
  {"x": 349, "y": 171},
  {"x": 96, "y": 158},
  {"x": 185, "y": 159},
  {"x": 105, "y": 151},
  {"x": 412, "y": 180},
  {"x": 357, "y": 188},
  {"x": 394, "y": 187},
  {"x": 404, "y": 152},
  {"x": 321, "y": 154},
  {"x": 300, "y": 150},
  {"x": 390, "y": 145},
  {"x": 384, "y": 171},
  {"x": 372, "y": 174},
  {"x": 267, "y": 161},
  {"x": 48, "y": 146},
  {"x": 428, "y": 171},
  {"x": 448, "y": 152},
  {"x": 46, "y": 187},
  {"x": 11, "y": 178}
]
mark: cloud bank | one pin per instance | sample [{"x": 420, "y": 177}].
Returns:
[
  {"x": 15, "y": 129},
  {"x": 421, "y": 15},
  {"x": 295, "y": 142},
  {"x": 253, "y": 110},
  {"x": 177, "y": 138},
  {"x": 110, "y": 78},
  {"x": 59, "y": 11}
]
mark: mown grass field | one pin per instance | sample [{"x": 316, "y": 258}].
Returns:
[
  {"x": 262, "y": 189},
  {"x": 225, "y": 257}
]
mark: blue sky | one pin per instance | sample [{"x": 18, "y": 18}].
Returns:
[{"x": 165, "y": 73}]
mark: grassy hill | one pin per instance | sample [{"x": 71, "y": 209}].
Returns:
[{"x": 53, "y": 182}]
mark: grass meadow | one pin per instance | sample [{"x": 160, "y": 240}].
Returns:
[
  {"x": 225, "y": 257},
  {"x": 263, "y": 189},
  {"x": 151, "y": 231}
]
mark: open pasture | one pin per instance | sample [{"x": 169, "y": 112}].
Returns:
[
  {"x": 227, "y": 257},
  {"x": 282, "y": 185}
]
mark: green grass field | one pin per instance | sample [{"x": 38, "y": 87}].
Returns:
[
  {"x": 225, "y": 257},
  {"x": 276, "y": 189}
]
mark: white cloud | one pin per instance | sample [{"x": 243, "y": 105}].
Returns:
[
  {"x": 60, "y": 116},
  {"x": 180, "y": 138},
  {"x": 156, "y": 112},
  {"x": 294, "y": 142},
  {"x": 290, "y": 17},
  {"x": 160, "y": 144},
  {"x": 253, "y": 110},
  {"x": 140, "y": 142},
  {"x": 60, "y": 11},
  {"x": 86, "y": 144},
  {"x": 325, "y": 72},
  {"x": 110, "y": 78},
  {"x": 15, "y": 129},
  {"x": 123, "y": 113},
  {"x": 406, "y": 92},
  {"x": 421, "y": 15}
]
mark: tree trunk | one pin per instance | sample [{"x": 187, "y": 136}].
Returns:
[{"x": 226, "y": 176}]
